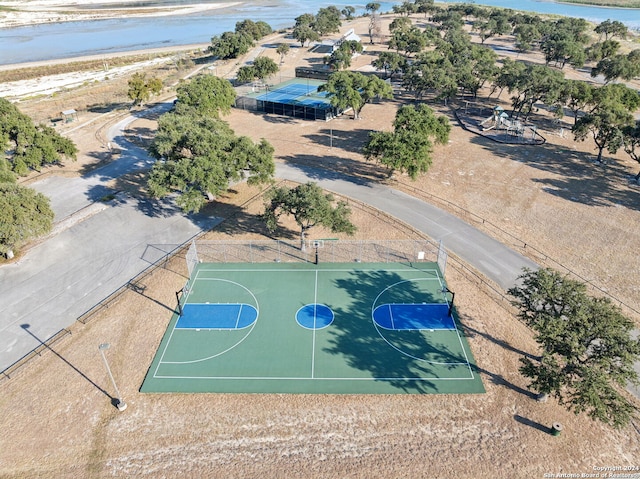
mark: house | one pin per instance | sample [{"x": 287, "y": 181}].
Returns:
[{"x": 330, "y": 46}]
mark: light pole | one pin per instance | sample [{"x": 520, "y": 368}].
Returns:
[{"x": 119, "y": 403}]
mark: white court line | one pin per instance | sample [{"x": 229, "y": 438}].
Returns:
[
  {"x": 196, "y": 278},
  {"x": 238, "y": 317},
  {"x": 341, "y": 270},
  {"x": 166, "y": 346},
  {"x": 285, "y": 378},
  {"x": 465, "y": 352},
  {"x": 315, "y": 318}
]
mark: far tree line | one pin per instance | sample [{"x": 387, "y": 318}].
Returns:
[
  {"x": 440, "y": 58},
  {"x": 436, "y": 58}
]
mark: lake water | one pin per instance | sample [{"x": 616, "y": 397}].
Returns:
[{"x": 73, "y": 39}]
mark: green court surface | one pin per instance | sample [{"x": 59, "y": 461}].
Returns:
[{"x": 344, "y": 328}]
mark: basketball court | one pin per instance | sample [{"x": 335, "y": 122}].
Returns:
[{"x": 345, "y": 328}]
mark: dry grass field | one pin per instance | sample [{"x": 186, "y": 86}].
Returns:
[{"x": 57, "y": 420}]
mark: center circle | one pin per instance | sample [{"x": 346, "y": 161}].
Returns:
[{"x": 314, "y": 316}]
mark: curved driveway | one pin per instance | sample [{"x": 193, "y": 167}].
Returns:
[
  {"x": 74, "y": 270},
  {"x": 490, "y": 257}
]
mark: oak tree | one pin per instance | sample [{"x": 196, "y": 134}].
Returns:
[
  {"x": 28, "y": 146},
  {"x": 408, "y": 148},
  {"x": 206, "y": 95},
  {"x": 309, "y": 206},
  {"x": 353, "y": 90},
  {"x": 199, "y": 156},
  {"x": 142, "y": 88},
  {"x": 25, "y": 214},
  {"x": 588, "y": 353}
]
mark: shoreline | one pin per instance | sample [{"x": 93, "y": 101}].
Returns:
[
  {"x": 105, "y": 56},
  {"x": 43, "y": 12},
  {"x": 47, "y": 11},
  {"x": 19, "y": 14}
]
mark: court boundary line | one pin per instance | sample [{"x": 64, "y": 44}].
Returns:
[
  {"x": 193, "y": 281},
  {"x": 299, "y": 270},
  {"x": 285, "y": 378},
  {"x": 251, "y": 327},
  {"x": 464, "y": 351}
]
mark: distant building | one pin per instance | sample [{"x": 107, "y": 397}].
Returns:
[{"x": 329, "y": 46}]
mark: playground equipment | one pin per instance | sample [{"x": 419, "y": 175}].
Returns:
[{"x": 499, "y": 119}]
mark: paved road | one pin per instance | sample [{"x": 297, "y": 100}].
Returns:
[
  {"x": 94, "y": 252},
  {"x": 492, "y": 258},
  {"x": 69, "y": 273}
]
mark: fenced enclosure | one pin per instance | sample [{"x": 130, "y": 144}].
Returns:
[
  {"x": 326, "y": 250},
  {"x": 296, "y": 97}
]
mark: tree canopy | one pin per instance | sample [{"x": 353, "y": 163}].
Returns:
[
  {"x": 327, "y": 20},
  {"x": 206, "y": 95},
  {"x": 283, "y": 50},
  {"x": 262, "y": 68},
  {"x": 28, "y": 146},
  {"x": 631, "y": 140},
  {"x": 348, "y": 12},
  {"x": 349, "y": 89},
  {"x": 24, "y": 215},
  {"x": 199, "y": 156},
  {"x": 532, "y": 84},
  {"x": 309, "y": 206},
  {"x": 305, "y": 33},
  {"x": 613, "y": 67},
  {"x": 237, "y": 43},
  {"x": 612, "y": 28},
  {"x": 390, "y": 62},
  {"x": 341, "y": 57},
  {"x": 255, "y": 30},
  {"x": 588, "y": 353},
  {"x": 610, "y": 114},
  {"x": 372, "y": 7},
  {"x": 230, "y": 45},
  {"x": 141, "y": 88},
  {"x": 408, "y": 148},
  {"x": 310, "y": 27}
]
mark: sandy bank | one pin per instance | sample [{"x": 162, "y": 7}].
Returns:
[{"x": 21, "y": 13}]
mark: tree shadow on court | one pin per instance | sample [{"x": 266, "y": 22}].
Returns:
[
  {"x": 394, "y": 355},
  {"x": 578, "y": 177}
]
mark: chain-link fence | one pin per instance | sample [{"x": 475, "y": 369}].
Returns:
[{"x": 321, "y": 250}]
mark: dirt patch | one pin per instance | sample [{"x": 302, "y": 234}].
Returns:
[{"x": 58, "y": 421}]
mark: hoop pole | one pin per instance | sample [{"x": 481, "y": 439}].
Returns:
[
  {"x": 178, "y": 300},
  {"x": 446, "y": 290}
]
